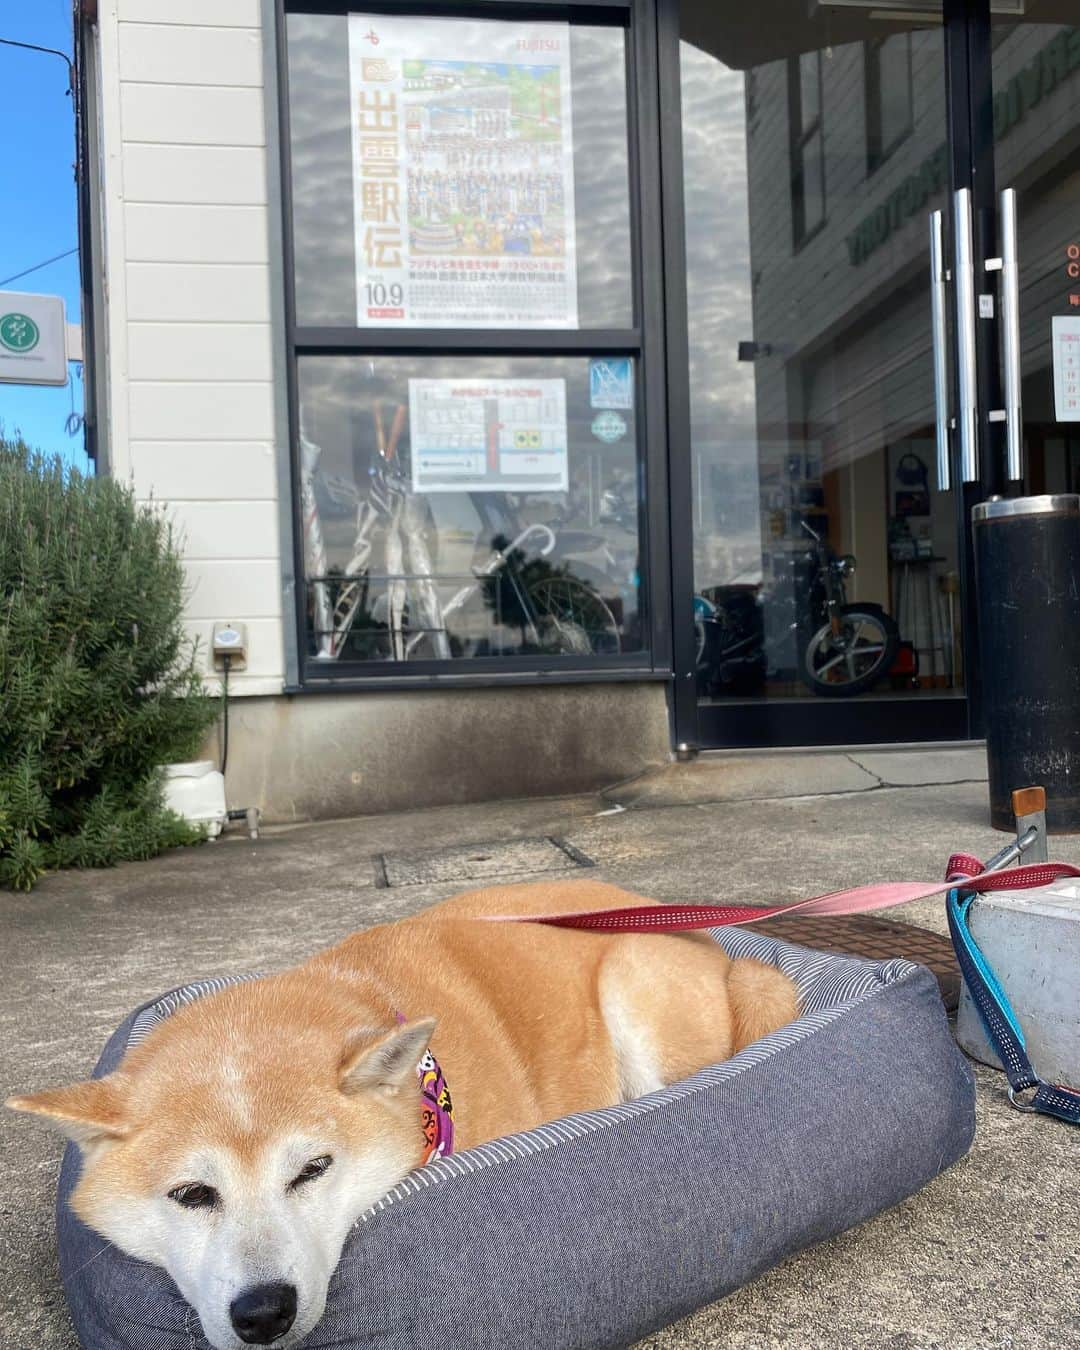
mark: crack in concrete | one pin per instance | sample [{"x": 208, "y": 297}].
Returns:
[
  {"x": 881, "y": 782},
  {"x": 880, "y": 786},
  {"x": 888, "y": 783},
  {"x": 625, "y": 782}
]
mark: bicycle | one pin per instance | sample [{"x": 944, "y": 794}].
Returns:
[{"x": 555, "y": 612}]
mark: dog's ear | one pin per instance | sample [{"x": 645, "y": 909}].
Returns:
[
  {"x": 90, "y": 1113},
  {"x": 388, "y": 1063}
]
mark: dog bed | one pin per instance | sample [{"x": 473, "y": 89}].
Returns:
[{"x": 599, "y": 1228}]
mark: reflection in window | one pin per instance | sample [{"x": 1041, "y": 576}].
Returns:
[
  {"x": 807, "y": 145},
  {"x": 889, "y": 101},
  {"x": 811, "y": 395},
  {"x": 469, "y": 507}
]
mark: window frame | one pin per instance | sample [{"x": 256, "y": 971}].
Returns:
[
  {"x": 877, "y": 152},
  {"x": 799, "y": 137},
  {"x": 643, "y": 341}
]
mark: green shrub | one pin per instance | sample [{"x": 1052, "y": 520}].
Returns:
[{"x": 98, "y": 682}]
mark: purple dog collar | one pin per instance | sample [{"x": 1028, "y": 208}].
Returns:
[{"x": 436, "y": 1108}]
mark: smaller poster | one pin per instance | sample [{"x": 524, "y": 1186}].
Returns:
[
  {"x": 1066, "y": 347},
  {"x": 611, "y": 382},
  {"x": 496, "y": 435}
]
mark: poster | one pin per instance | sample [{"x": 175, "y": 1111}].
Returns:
[
  {"x": 463, "y": 175},
  {"x": 1066, "y": 348},
  {"x": 496, "y": 435}
]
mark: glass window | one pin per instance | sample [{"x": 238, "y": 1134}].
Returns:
[
  {"x": 809, "y": 88},
  {"x": 460, "y": 507},
  {"x": 812, "y": 184},
  {"x": 889, "y": 99},
  {"x": 807, "y": 145},
  {"x": 458, "y": 173}
]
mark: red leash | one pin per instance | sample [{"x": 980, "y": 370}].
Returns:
[{"x": 858, "y": 900}]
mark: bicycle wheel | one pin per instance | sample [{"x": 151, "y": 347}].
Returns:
[{"x": 571, "y": 619}]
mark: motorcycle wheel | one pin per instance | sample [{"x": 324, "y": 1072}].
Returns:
[{"x": 864, "y": 653}]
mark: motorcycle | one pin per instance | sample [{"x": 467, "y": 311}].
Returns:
[{"x": 843, "y": 649}]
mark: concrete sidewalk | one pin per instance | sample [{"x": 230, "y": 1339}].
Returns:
[{"x": 985, "y": 1256}]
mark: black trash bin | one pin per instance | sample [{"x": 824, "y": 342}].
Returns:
[{"x": 1027, "y": 573}]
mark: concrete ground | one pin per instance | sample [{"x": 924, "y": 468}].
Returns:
[{"x": 987, "y": 1255}]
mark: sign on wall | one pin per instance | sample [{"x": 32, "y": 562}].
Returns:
[
  {"x": 463, "y": 177},
  {"x": 495, "y": 435},
  {"x": 33, "y": 339},
  {"x": 1065, "y": 333}
]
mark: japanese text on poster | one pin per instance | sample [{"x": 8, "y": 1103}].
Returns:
[
  {"x": 463, "y": 181},
  {"x": 1066, "y": 349},
  {"x": 488, "y": 435}
]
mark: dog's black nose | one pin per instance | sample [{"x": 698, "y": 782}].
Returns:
[{"x": 264, "y": 1313}]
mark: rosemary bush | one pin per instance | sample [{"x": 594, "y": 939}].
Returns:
[{"x": 98, "y": 681}]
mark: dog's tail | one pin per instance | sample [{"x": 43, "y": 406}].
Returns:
[{"x": 762, "y": 998}]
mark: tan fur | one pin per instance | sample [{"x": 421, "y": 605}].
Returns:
[
  {"x": 533, "y": 1022},
  {"x": 520, "y": 1031}
]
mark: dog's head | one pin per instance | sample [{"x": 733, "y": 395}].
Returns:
[{"x": 238, "y": 1145}]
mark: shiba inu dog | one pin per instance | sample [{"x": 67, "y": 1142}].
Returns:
[{"x": 240, "y": 1142}]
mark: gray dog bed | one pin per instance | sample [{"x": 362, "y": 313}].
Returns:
[{"x": 599, "y": 1228}]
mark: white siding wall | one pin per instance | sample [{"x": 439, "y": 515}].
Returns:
[{"x": 187, "y": 282}]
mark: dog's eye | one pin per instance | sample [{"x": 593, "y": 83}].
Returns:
[
  {"x": 311, "y": 1171},
  {"x": 195, "y": 1195}
]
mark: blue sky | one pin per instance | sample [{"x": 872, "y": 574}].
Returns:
[{"x": 37, "y": 149}]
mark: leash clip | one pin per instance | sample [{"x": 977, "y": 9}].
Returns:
[{"x": 1019, "y": 1105}]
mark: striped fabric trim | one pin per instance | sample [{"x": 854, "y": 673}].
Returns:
[
  {"x": 172, "y": 1002},
  {"x": 568, "y": 1128},
  {"x": 829, "y": 986},
  {"x": 823, "y": 979}
]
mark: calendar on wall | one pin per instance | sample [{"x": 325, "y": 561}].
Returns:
[{"x": 1066, "y": 348}]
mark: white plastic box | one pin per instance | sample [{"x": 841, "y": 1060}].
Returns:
[{"x": 196, "y": 791}]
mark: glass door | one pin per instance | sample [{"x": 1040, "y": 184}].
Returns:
[
  {"x": 826, "y": 559},
  {"x": 1035, "y": 70}
]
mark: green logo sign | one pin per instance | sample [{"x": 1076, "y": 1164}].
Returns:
[
  {"x": 18, "y": 332},
  {"x": 608, "y": 427}
]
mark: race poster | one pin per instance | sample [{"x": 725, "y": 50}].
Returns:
[
  {"x": 463, "y": 176},
  {"x": 497, "y": 435}
]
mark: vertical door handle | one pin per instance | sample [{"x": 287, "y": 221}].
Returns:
[
  {"x": 941, "y": 356},
  {"x": 964, "y": 272},
  {"x": 1010, "y": 330}
]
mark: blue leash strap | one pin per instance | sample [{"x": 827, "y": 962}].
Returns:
[{"x": 1000, "y": 1022}]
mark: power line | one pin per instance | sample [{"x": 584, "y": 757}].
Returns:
[
  {"x": 49, "y": 51},
  {"x": 38, "y": 266}
]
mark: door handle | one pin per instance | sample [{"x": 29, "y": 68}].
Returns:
[
  {"x": 1010, "y": 337},
  {"x": 964, "y": 273},
  {"x": 941, "y": 356}
]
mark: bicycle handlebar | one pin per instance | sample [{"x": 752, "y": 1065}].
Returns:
[{"x": 545, "y": 531}]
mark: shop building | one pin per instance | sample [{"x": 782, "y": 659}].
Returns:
[{"x": 545, "y": 386}]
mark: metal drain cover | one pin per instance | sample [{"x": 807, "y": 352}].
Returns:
[{"x": 493, "y": 861}]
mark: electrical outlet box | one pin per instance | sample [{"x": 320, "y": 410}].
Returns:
[{"x": 229, "y": 639}]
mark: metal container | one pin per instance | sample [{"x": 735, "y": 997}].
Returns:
[
  {"x": 1027, "y": 571},
  {"x": 1031, "y": 940}
]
